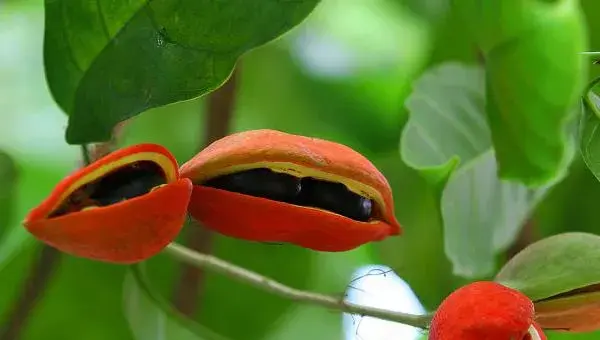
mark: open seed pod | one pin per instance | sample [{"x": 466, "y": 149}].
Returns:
[
  {"x": 561, "y": 274},
  {"x": 123, "y": 208},
  {"x": 270, "y": 186},
  {"x": 485, "y": 310}
]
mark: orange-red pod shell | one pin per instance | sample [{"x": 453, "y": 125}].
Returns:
[
  {"x": 262, "y": 219},
  {"x": 76, "y": 218},
  {"x": 485, "y": 311}
]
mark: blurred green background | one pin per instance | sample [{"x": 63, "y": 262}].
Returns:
[{"x": 328, "y": 78}]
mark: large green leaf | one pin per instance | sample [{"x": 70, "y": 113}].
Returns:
[
  {"x": 554, "y": 265},
  {"x": 107, "y": 61},
  {"x": 561, "y": 275},
  {"x": 534, "y": 78},
  {"x": 447, "y": 138},
  {"x": 151, "y": 317}
]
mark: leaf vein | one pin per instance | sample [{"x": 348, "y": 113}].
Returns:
[
  {"x": 429, "y": 141},
  {"x": 459, "y": 127},
  {"x": 103, "y": 19}
]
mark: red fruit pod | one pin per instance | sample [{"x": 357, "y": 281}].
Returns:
[
  {"x": 485, "y": 311},
  {"x": 271, "y": 186},
  {"x": 123, "y": 208}
]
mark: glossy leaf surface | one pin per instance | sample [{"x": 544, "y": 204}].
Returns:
[{"x": 107, "y": 61}]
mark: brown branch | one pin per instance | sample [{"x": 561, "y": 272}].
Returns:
[
  {"x": 267, "y": 284},
  {"x": 221, "y": 105},
  {"x": 191, "y": 281}
]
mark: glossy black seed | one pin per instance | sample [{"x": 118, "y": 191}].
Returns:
[
  {"x": 259, "y": 183},
  {"x": 310, "y": 192},
  {"x": 335, "y": 197},
  {"x": 128, "y": 182}
]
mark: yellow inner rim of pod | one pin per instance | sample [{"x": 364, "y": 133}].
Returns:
[{"x": 163, "y": 161}]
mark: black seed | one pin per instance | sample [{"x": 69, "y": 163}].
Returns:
[
  {"x": 335, "y": 197},
  {"x": 259, "y": 183},
  {"x": 124, "y": 183},
  {"x": 310, "y": 192},
  {"x": 365, "y": 209},
  {"x": 129, "y": 182}
]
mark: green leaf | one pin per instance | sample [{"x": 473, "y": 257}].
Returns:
[
  {"x": 151, "y": 317},
  {"x": 558, "y": 335},
  {"x": 8, "y": 183},
  {"x": 561, "y": 275},
  {"x": 590, "y": 133},
  {"x": 447, "y": 138},
  {"x": 107, "y": 61},
  {"x": 554, "y": 265},
  {"x": 483, "y": 215},
  {"x": 447, "y": 125},
  {"x": 534, "y": 79}
]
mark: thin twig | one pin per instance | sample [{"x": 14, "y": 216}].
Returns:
[
  {"x": 85, "y": 154},
  {"x": 232, "y": 271},
  {"x": 102, "y": 149},
  {"x": 36, "y": 283},
  {"x": 191, "y": 282}
]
